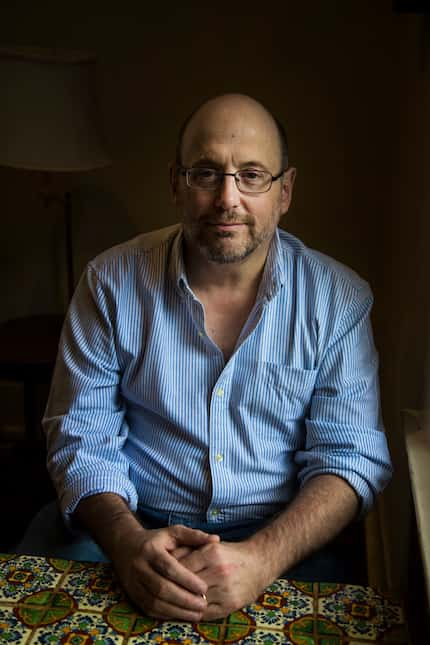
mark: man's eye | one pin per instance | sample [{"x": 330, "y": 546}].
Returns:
[
  {"x": 252, "y": 175},
  {"x": 204, "y": 173}
]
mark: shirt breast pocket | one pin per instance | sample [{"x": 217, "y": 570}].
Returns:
[{"x": 277, "y": 392}]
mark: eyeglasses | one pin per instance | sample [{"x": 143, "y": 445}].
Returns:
[{"x": 247, "y": 181}]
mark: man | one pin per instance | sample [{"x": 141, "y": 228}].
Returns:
[{"x": 214, "y": 415}]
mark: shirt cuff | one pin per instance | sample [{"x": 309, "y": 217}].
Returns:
[
  {"x": 362, "y": 459},
  {"x": 86, "y": 485}
]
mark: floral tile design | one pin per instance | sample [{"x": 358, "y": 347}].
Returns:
[
  {"x": 11, "y": 629},
  {"x": 126, "y": 620},
  {"x": 23, "y": 575},
  {"x": 362, "y": 612},
  {"x": 60, "y": 602},
  {"x": 279, "y": 605},
  {"x": 315, "y": 629},
  {"x": 262, "y": 637},
  {"x": 80, "y": 629},
  {"x": 93, "y": 587},
  {"x": 66, "y": 565},
  {"x": 166, "y": 633}
]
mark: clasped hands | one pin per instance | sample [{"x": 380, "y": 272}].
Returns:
[{"x": 185, "y": 574}]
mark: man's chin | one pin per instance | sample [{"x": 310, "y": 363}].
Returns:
[{"x": 222, "y": 255}]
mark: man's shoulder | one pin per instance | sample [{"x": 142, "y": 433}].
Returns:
[
  {"x": 319, "y": 266},
  {"x": 143, "y": 245}
]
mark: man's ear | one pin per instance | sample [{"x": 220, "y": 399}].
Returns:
[{"x": 287, "y": 188}]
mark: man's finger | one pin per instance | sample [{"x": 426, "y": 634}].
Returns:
[
  {"x": 160, "y": 608},
  {"x": 192, "y": 537},
  {"x": 214, "y": 611},
  {"x": 171, "y": 570},
  {"x": 181, "y": 552},
  {"x": 207, "y": 556},
  {"x": 157, "y": 590},
  {"x": 195, "y": 561}
]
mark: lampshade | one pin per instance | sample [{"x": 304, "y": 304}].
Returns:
[{"x": 48, "y": 116}]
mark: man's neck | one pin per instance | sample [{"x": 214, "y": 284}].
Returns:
[{"x": 243, "y": 275}]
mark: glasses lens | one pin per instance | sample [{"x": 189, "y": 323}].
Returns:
[
  {"x": 247, "y": 181},
  {"x": 254, "y": 181},
  {"x": 205, "y": 178}
]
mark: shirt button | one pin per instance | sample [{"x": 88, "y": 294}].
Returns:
[
  {"x": 215, "y": 512},
  {"x": 201, "y": 334},
  {"x": 220, "y": 392},
  {"x": 219, "y": 457}
]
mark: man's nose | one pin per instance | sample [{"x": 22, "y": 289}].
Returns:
[{"x": 228, "y": 194}]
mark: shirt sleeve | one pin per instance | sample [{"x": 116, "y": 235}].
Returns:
[
  {"x": 344, "y": 429},
  {"x": 85, "y": 422}
]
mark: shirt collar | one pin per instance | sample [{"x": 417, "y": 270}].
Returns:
[
  {"x": 177, "y": 266},
  {"x": 273, "y": 275},
  {"x": 274, "y": 270}
]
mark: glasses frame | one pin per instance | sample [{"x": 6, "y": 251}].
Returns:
[{"x": 185, "y": 172}]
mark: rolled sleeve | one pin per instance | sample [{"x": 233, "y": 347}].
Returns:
[
  {"x": 85, "y": 421},
  {"x": 344, "y": 430}
]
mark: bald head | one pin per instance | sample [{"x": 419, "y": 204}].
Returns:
[{"x": 215, "y": 117}]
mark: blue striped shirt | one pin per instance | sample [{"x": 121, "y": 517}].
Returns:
[{"x": 144, "y": 404}]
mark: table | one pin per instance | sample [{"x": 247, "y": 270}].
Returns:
[{"x": 45, "y": 601}]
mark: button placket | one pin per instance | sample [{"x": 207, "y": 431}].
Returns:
[{"x": 217, "y": 424}]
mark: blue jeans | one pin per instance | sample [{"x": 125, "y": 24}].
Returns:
[{"x": 47, "y": 536}]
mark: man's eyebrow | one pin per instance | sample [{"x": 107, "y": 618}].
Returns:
[
  {"x": 208, "y": 162},
  {"x": 253, "y": 164}
]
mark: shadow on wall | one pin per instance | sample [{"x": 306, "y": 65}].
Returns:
[
  {"x": 32, "y": 259},
  {"x": 100, "y": 221}
]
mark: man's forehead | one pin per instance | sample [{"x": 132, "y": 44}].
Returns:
[
  {"x": 230, "y": 112},
  {"x": 217, "y": 151},
  {"x": 247, "y": 131},
  {"x": 210, "y": 135}
]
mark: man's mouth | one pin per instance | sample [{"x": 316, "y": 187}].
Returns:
[
  {"x": 226, "y": 224},
  {"x": 226, "y": 228}
]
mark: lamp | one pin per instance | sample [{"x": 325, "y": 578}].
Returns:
[{"x": 48, "y": 119}]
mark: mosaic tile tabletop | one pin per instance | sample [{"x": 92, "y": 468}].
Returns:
[{"x": 51, "y": 601}]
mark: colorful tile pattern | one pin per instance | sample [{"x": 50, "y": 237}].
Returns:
[{"x": 60, "y": 602}]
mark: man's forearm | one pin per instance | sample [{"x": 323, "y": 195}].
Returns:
[
  {"x": 108, "y": 519},
  {"x": 322, "y": 508}
]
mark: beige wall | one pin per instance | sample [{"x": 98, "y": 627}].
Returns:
[{"x": 348, "y": 80}]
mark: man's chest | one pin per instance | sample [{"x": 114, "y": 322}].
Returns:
[
  {"x": 224, "y": 324},
  {"x": 175, "y": 367}
]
